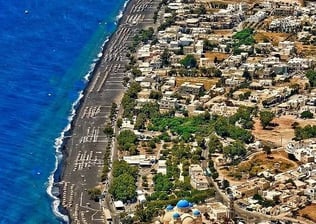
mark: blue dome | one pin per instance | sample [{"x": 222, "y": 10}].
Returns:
[
  {"x": 169, "y": 207},
  {"x": 183, "y": 204},
  {"x": 176, "y": 215},
  {"x": 196, "y": 213}
]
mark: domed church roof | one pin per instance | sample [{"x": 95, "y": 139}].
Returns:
[
  {"x": 169, "y": 207},
  {"x": 183, "y": 204},
  {"x": 196, "y": 213},
  {"x": 176, "y": 215}
]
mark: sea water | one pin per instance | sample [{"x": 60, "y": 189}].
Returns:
[{"x": 47, "y": 48}]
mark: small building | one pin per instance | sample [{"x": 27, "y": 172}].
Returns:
[
  {"x": 168, "y": 103},
  {"x": 197, "y": 179},
  {"x": 119, "y": 205},
  {"x": 162, "y": 167},
  {"x": 218, "y": 211},
  {"x": 258, "y": 17},
  {"x": 140, "y": 160},
  {"x": 194, "y": 89}
]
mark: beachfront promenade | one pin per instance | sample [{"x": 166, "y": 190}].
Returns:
[{"x": 86, "y": 146}]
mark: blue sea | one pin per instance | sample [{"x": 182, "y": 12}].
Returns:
[{"x": 47, "y": 48}]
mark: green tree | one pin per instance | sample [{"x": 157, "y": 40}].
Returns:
[
  {"x": 222, "y": 127},
  {"x": 151, "y": 110},
  {"x": 119, "y": 122},
  {"x": 152, "y": 144},
  {"x": 225, "y": 184},
  {"x": 113, "y": 110},
  {"x": 165, "y": 57},
  {"x": 145, "y": 215},
  {"x": 214, "y": 144},
  {"x": 244, "y": 37},
  {"x": 206, "y": 116},
  {"x": 267, "y": 150},
  {"x": 200, "y": 141},
  {"x": 307, "y": 114},
  {"x": 215, "y": 175},
  {"x": 140, "y": 121},
  {"x": 94, "y": 193},
  {"x": 189, "y": 61},
  {"x": 200, "y": 10},
  {"x": 126, "y": 219},
  {"x": 208, "y": 45},
  {"x": 162, "y": 182},
  {"x": 120, "y": 167},
  {"x": 217, "y": 73},
  {"x": 123, "y": 187},
  {"x": 241, "y": 134},
  {"x": 136, "y": 72},
  {"x": 246, "y": 74},
  {"x": 108, "y": 130},
  {"x": 134, "y": 89},
  {"x": 258, "y": 197},
  {"x": 266, "y": 117},
  {"x": 311, "y": 75},
  {"x": 308, "y": 131},
  {"x": 126, "y": 139},
  {"x": 129, "y": 97},
  {"x": 157, "y": 95},
  {"x": 237, "y": 148}
]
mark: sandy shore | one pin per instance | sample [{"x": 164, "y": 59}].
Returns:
[{"x": 84, "y": 149}]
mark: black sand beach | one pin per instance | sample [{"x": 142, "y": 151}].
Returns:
[{"x": 84, "y": 149}]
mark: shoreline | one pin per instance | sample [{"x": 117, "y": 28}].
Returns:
[
  {"x": 60, "y": 143},
  {"x": 63, "y": 173},
  {"x": 58, "y": 173}
]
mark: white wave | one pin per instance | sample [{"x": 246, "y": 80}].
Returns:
[
  {"x": 120, "y": 15},
  {"x": 59, "y": 141},
  {"x": 58, "y": 144},
  {"x": 88, "y": 75},
  {"x": 95, "y": 60}
]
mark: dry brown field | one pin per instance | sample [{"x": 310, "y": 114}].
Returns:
[
  {"x": 259, "y": 162},
  {"x": 274, "y": 38},
  {"x": 218, "y": 55},
  {"x": 306, "y": 50},
  {"x": 224, "y": 33},
  {"x": 208, "y": 82},
  {"x": 310, "y": 211},
  {"x": 279, "y": 156},
  {"x": 282, "y": 133}
]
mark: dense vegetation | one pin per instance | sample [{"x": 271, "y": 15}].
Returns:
[
  {"x": 126, "y": 140},
  {"x": 128, "y": 100},
  {"x": 235, "y": 151},
  {"x": 185, "y": 127},
  {"x": 311, "y": 75},
  {"x": 225, "y": 129},
  {"x": 189, "y": 61},
  {"x": 124, "y": 178},
  {"x": 244, "y": 37},
  {"x": 307, "y": 115},
  {"x": 266, "y": 117},
  {"x": 309, "y": 131}
]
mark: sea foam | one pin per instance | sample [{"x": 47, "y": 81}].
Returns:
[
  {"x": 60, "y": 140},
  {"x": 58, "y": 146}
]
